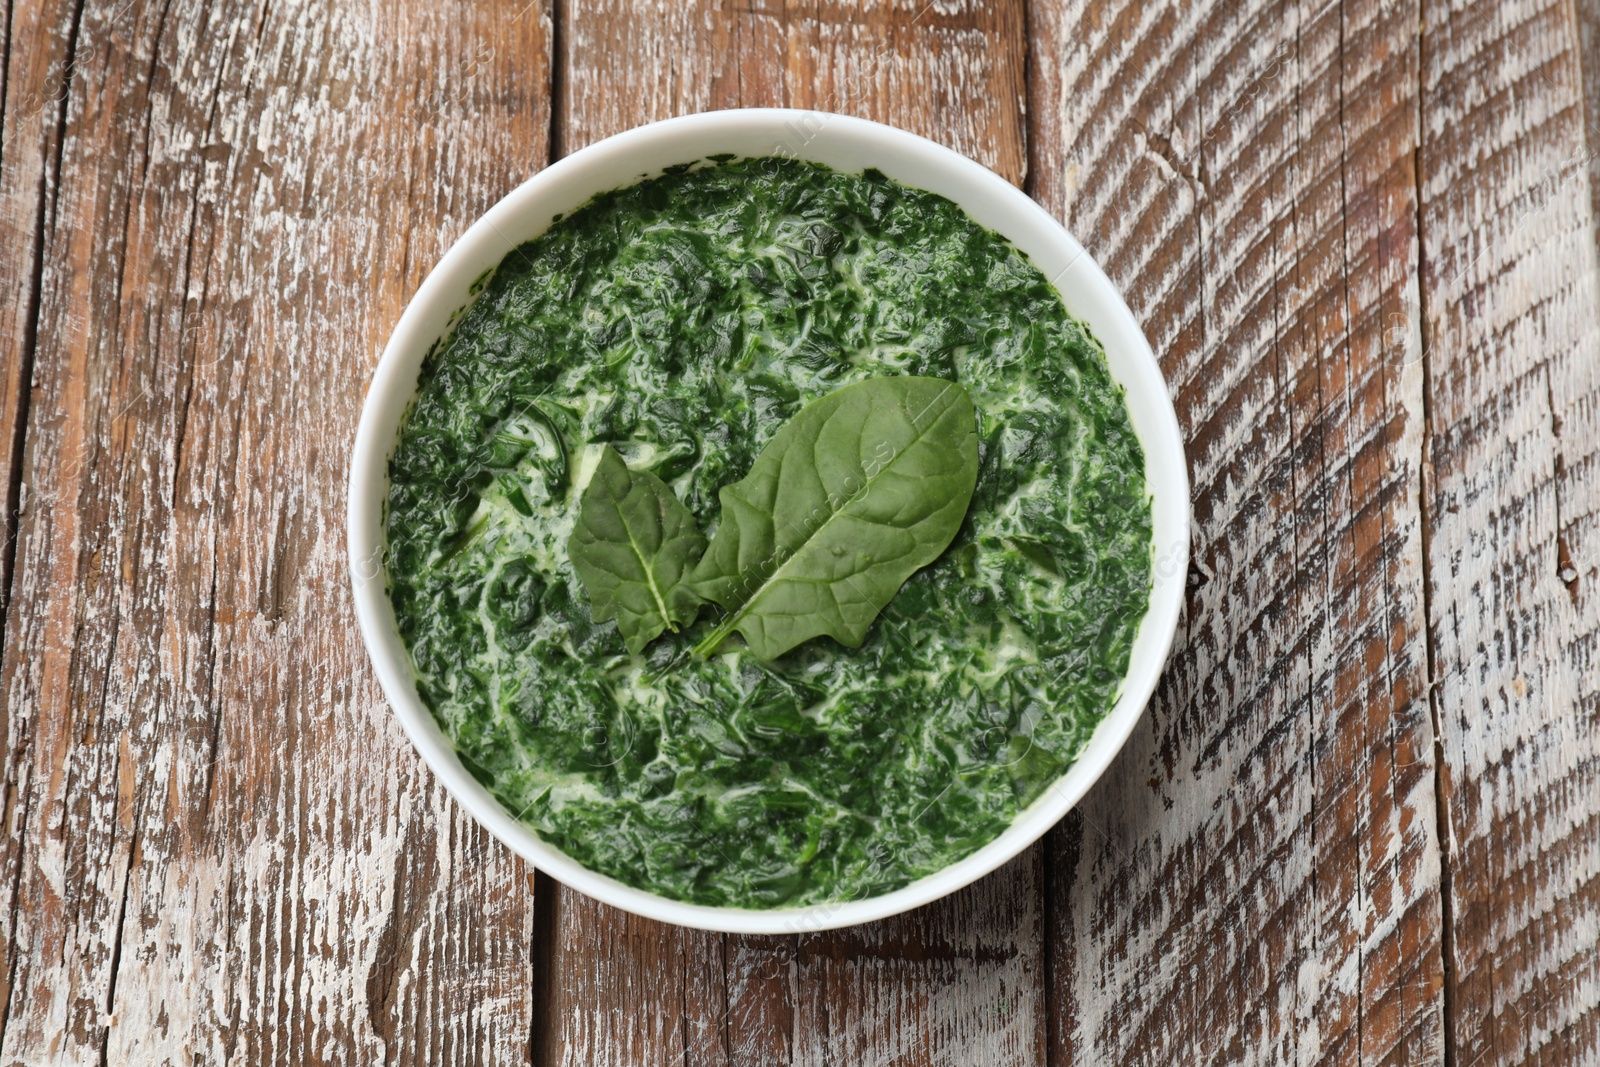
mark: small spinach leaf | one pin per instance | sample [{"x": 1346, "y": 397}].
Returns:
[
  {"x": 1036, "y": 552},
  {"x": 633, "y": 546},
  {"x": 857, "y": 492}
]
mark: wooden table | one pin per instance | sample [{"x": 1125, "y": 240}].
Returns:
[{"x": 1359, "y": 824}]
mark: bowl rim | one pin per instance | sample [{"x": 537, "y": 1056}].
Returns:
[{"x": 822, "y": 137}]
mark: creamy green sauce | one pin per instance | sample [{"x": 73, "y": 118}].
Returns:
[{"x": 683, "y": 320}]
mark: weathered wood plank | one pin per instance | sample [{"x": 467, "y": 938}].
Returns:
[
  {"x": 229, "y": 850},
  {"x": 1512, "y": 288},
  {"x": 38, "y": 47},
  {"x": 956, "y": 983},
  {"x": 950, "y": 70},
  {"x": 35, "y": 72},
  {"x": 1256, "y": 880},
  {"x": 1589, "y": 60}
]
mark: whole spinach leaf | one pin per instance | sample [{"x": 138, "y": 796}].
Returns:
[
  {"x": 857, "y": 492},
  {"x": 633, "y": 546}
]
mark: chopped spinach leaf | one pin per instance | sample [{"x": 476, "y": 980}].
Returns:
[{"x": 684, "y": 321}]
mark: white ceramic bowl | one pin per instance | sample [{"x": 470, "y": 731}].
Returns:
[{"x": 848, "y": 144}]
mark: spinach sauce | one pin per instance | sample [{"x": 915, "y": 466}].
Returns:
[{"x": 683, "y": 320}]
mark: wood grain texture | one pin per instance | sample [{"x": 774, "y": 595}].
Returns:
[
  {"x": 1588, "y": 16},
  {"x": 33, "y": 108},
  {"x": 1256, "y": 880},
  {"x": 227, "y": 849},
  {"x": 1513, "y": 332},
  {"x": 956, "y": 983},
  {"x": 35, "y": 80},
  {"x": 950, "y": 70}
]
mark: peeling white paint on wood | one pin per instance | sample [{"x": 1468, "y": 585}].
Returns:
[
  {"x": 227, "y": 848},
  {"x": 1513, "y": 334},
  {"x": 1256, "y": 879}
]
